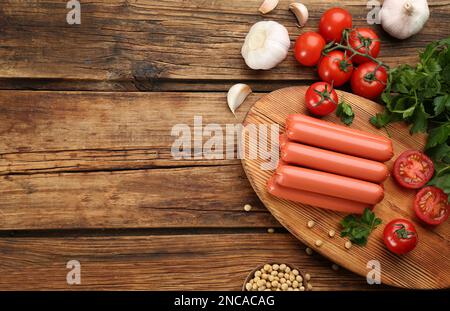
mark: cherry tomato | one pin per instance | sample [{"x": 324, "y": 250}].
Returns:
[
  {"x": 321, "y": 99},
  {"x": 365, "y": 41},
  {"x": 308, "y": 48},
  {"x": 335, "y": 68},
  {"x": 431, "y": 205},
  {"x": 400, "y": 236},
  {"x": 333, "y": 22},
  {"x": 413, "y": 169},
  {"x": 367, "y": 82}
]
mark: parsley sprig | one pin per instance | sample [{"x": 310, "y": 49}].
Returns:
[
  {"x": 358, "y": 229},
  {"x": 345, "y": 112},
  {"x": 420, "y": 95}
]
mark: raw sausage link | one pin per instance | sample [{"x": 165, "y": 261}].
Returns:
[
  {"x": 315, "y": 199},
  {"x": 329, "y": 184},
  {"x": 333, "y": 162},
  {"x": 336, "y": 127},
  {"x": 351, "y": 143},
  {"x": 282, "y": 140}
]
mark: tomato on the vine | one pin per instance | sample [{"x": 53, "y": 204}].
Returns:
[
  {"x": 413, "y": 169},
  {"x": 400, "y": 236},
  {"x": 431, "y": 205},
  {"x": 321, "y": 99},
  {"x": 308, "y": 48},
  {"x": 335, "y": 68},
  {"x": 365, "y": 41},
  {"x": 369, "y": 80},
  {"x": 333, "y": 22}
]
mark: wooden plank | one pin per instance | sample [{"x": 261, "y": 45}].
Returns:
[
  {"x": 83, "y": 131},
  {"x": 95, "y": 133},
  {"x": 159, "y": 198},
  {"x": 173, "y": 262},
  {"x": 141, "y": 44},
  {"x": 158, "y": 85}
]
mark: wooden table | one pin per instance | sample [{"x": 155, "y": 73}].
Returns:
[{"x": 86, "y": 170}]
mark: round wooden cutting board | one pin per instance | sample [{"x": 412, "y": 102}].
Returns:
[{"x": 427, "y": 266}]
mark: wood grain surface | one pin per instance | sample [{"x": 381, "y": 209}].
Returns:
[
  {"x": 426, "y": 267},
  {"x": 162, "y": 45},
  {"x": 103, "y": 160},
  {"x": 49, "y": 132},
  {"x": 166, "y": 262},
  {"x": 85, "y": 165}
]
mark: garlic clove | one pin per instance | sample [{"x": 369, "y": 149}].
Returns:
[
  {"x": 300, "y": 11},
  {"x": 237, "y": 95},
  {"x": 268, "y": 5}
]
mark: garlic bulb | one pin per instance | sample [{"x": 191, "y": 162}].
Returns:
[
  {"x": 236, "y": 95},
  {"x": 404, "y": 18},
  {"x": 266, "y": 45}
]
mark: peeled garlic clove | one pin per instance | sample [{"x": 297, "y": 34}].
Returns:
[
  {"x": 266, "y": 45},
  {"x": 300, "y": 11},
  {"x": 268, "y": 5},
  {"x": 236, "y": 95}
]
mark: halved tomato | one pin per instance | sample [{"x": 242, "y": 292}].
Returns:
[
  {"x": 413, "y": 169},
  {"x": 431, "y": 205}
]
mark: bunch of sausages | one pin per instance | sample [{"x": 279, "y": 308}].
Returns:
[{"x": 330, "y": 166}]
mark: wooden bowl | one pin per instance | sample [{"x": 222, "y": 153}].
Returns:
[{"x": 259, "y": 267}]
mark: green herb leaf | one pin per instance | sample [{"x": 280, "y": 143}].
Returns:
[
  {"x": 438, "y": 153},
  {"x": 358, "y": 229},
  {"x": 420, "y": 120},
  {"x": 345, "y": 112},
  {"x": 440, "y": 103},
  {"x": 438, "y": 135},
  {"x": 420, "y": 96},
  {"x": 382, "y": 119}
]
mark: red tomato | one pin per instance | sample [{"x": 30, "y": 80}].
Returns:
[
  {"x": 321, "y": 99},
  {"x": 333, "y": 22},
  {"x": 335, "y": 68},
  {"x": 366, "y": 41},
  {"x": 367, "y": 82},
  {"x": 308, "y": 48},
  {"x": 413, "y": 169},
  {"x": 431, "y": 205},
  {"x": 400, "y": 236}
]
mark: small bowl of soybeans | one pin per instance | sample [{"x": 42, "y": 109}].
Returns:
[{"x": 277, "y": 277}]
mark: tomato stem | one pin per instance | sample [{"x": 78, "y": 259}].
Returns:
[
  {"x": 402, "y": 233},
  {"x": 365, "y": 42},
  {"x": 325, "y": 95}
]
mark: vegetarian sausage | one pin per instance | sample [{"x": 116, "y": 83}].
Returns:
[
  {"x": 333, "y": 138},
  {"x": 315, "y": 199},
  {"x": 328, "y": 184},
  {"x": 282, "y": 140},
  {"x": 336, "y": 127},
  {"x": 333, "y": 162}
]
